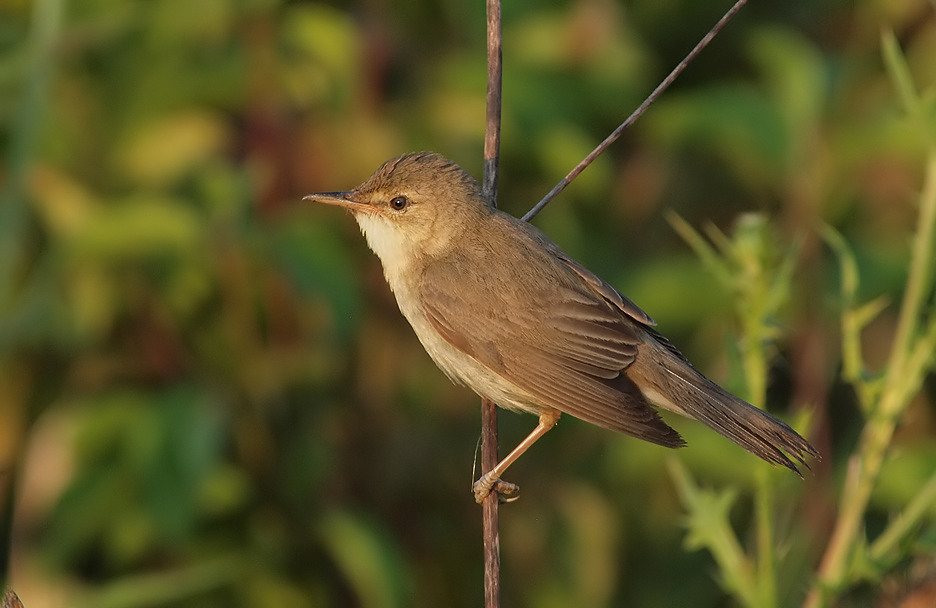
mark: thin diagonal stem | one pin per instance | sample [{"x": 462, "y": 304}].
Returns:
[{"x": 636, "y": 113}]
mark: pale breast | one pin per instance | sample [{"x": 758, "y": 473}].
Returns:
[
  {"x": 459, "y": 367},
  {"x": 398, "y": 260}
]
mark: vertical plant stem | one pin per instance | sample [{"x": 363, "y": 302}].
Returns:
[
  {"x": 766, "y": 567},
  {"x": 902, "y": 379},
  {"x": 919, "y": 282},
  {"x": 489, "y": 509},
  {"x": 755, "y": 371},
  {"x": 493, "y": 108},
  {"x": 490, "y": 516},
  {"x": 764, "y": 504}
]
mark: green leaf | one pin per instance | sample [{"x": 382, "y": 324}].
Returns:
[
  {"x": 142, "y": 227},
  {"x": 366, "y": 558}
]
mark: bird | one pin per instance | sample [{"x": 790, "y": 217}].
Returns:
[{"x": 504, "y": 311}]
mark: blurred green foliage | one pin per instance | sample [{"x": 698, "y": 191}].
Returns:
[{"x": 208, "y": 397}]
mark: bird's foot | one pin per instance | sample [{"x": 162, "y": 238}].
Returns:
[{"x": 506, "y": 491}]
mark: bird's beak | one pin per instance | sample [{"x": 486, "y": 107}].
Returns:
[{"x": 339, "y": 199}]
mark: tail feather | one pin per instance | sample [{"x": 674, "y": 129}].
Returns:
[
  {"x": 752, "y": 428},
  {"x": 687, "y": 392}
]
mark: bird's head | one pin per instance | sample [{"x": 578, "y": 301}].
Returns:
[{"x": 413, "y": 205}]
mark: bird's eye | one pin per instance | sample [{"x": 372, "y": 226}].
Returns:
[{"x": 399, "y": 203}]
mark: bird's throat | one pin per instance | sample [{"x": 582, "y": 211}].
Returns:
[{"x": 391, "y": 245}]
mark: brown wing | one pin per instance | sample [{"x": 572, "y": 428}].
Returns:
[
  {"x": 605, "y": 291},
  {"x": 567, "y": 349}
]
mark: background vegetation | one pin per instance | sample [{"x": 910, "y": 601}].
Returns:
[{"x": 208, "y": 397}]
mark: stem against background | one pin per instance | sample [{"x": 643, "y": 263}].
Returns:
[
  {"x": 884, "y": 400},
  {"x": 490, "y": 520},
  {"x": 493, "y": 109},
  {"x": 489, "y": 509},
  {"x": 756, "y": 268},
  {"x": 910, "y": 360},
  {"x": 657, "y": 92}
]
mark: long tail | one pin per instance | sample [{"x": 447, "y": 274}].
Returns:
[{"x": 691, "y": 394}]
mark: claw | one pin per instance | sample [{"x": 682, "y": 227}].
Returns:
[{"x": 506, "y": 491}]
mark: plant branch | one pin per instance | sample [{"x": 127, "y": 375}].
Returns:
[
  {"x": 902, "y": 527},
  {"x": 489, "y": 509},
  {"x": 905, "y": 372},
  {"x": 657, "y": 92},
  {"x": 490, "y": 516},
  {"x": 493, "y": 108}
]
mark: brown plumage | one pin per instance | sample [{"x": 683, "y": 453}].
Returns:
[{"x": 503, "y": 310}]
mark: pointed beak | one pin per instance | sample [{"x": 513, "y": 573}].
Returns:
[{"x": 339, "y": 199}]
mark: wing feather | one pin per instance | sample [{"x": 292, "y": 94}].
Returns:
[{"x": 568, "y": 350}]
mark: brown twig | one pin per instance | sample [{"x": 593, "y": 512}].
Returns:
[
  {"x": 489, "y": 508},
  {"x": 636, "y": 113},
  {"x": 493, "y": 109},
  {"x": 490, "y": 524}
]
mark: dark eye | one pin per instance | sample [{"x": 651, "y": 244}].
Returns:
[{"x": 399, "y": 202}]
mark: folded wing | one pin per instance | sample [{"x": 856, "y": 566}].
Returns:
[{"x": 567, "y": 350}]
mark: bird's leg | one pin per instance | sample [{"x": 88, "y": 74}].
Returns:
[{"x": 491, "y": 479}]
